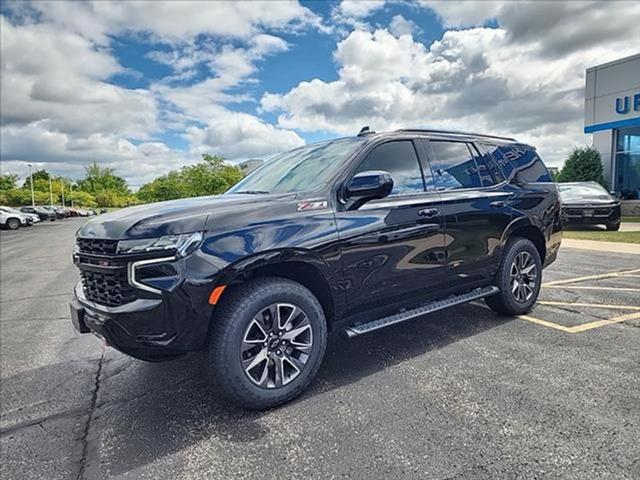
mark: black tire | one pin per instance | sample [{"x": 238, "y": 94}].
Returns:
[
  {"x": 613, "y": 227},
  {"x": 229, "y": 331},
  {"x": 506, "y": 301},
  {"x": 13, "y": 223}
]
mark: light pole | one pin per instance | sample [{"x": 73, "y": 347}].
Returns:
[
  {"x": 50, "y": 192},
  {"x": 33, "y": 196},
  {"x": 62, "y": 190},
  {"x": 71, "y": 193}
]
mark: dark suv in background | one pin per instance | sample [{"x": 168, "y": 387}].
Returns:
[{"x": 350, "y": 235}]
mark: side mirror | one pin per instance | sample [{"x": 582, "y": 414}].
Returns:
[{"x": 369, "y": 185}]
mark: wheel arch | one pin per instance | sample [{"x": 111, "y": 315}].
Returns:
[
  {"x": 301, "y": 266},
  {"x": 524, "y": 228}
]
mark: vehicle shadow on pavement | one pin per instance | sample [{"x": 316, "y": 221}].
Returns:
[{"x": 145, "y": 412}]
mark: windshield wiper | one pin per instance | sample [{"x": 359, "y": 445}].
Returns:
[{"x": 252, "y": 192}]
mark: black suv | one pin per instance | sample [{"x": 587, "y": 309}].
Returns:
[{"x": 350, "y": 235}]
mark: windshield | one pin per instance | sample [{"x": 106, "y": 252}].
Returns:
[
  {"x": 302, "y": 169},
  {"x": 576, "y": 192}
]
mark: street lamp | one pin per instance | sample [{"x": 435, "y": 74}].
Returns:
[
  {"x": 50, "y": 192},
  {"x": 62, "y": 190},
  {"x": 33, "y": 196}
]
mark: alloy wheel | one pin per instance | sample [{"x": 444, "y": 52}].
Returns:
[
  {"x": 276, "y": 345},
  {"x": 524, "y": 276}
]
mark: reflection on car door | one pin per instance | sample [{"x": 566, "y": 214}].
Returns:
[
  {"x": 476, "y": 209},
  {"x": 393, "y": 248}
]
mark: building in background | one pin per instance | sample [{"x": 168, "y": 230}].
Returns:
[
  {"x": 249, "y": 166},
  {"x": 612, "y": 115}
]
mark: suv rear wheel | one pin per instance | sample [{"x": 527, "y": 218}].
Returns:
[
  {"x": 518, "y": 278},
  {"x": 266, "y": 342}
]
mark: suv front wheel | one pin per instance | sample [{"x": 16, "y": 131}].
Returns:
[
  {"x": 518, "y": 278},
  {"x": 266, "y": 342}
]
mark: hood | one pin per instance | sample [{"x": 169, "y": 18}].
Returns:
[{"x": 186, "y": 215}]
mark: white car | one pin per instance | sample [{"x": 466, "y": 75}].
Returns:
[
  {"x": 31, "y": 217},
  {"x": 12, "y": 219}
]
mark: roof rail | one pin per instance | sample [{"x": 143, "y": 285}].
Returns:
[{"x": 455, "y": 132}]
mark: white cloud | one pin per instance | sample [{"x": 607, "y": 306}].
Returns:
[
  {"x": 358, "y": 8},
  {"x": 60, "y": 109},
  {"x": 479, "y": 79},
  {"x": 175, "y": 21},
  {"x": 463, "y": 13},
  {"x": 554, "y": 27},
  {"x": 401, "y": 26},
  {"x": 238, "y": 135},
  {"x": 58, "y": 79},
  {"x": 68, "y": 155}
]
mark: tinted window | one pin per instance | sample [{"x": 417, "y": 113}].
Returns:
[
  {"x": 486, "y": 160},
  {"x": 453, "y": 166},
  {"x": 400, "y": 160},
  {"x": 521, "y": 161}
]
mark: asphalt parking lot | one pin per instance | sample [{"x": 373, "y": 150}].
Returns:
[{"x": 461, "y": 394}]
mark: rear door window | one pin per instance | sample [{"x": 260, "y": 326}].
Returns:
[
  {"x": 399, "y": 158},
  {"x": 521, "y": 162},
  {"x": 453, "y": 166},
  {"x": 488, "y": 165}
]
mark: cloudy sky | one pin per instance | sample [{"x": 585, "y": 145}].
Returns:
[{"x": 145, "y": 87}]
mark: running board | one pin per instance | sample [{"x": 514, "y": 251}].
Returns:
[{"x": 431, "y": 307}]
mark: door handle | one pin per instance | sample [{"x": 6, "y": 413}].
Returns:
[
  {"x": 428, "y": 212},
  {"x": 498, "y": 204}
]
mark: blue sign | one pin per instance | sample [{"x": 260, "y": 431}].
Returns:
[{"x": 623, "y": 104}]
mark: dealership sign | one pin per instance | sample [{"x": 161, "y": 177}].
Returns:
[{"x": 624, "y": 104}]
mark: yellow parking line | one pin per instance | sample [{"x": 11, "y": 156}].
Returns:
[
  {"x": 592, "y": 277},
  {"x": 581, "y": 287},
  {"x": 544, "y": 323},
  {"x": 581, "y": 328},
  {"x": 604, "y": 323},
  {"x": 595, "y": 305}
]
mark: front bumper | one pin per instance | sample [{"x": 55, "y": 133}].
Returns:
[
  {"x": 152, "y": 329},
  {"x": 591, "y": 215}
]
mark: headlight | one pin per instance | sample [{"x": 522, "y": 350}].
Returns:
[{"x": 183, "y": 244}]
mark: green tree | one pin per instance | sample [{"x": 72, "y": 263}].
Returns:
[
  {"x": 80, "y": 199},
  {"x": 8, "y": 181},
  {"x": 99, "y": 179},
  {"x": 41, "y": 175},
  {"x": 21, "y": 196},
  {"x": 209, "y": 177},
  {"x": 583, "y": 165}
]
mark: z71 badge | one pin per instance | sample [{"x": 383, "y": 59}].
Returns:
[{"x": 312, "y": 205}]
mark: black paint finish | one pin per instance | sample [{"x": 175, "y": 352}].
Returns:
[{"x": 361, "y": 259}]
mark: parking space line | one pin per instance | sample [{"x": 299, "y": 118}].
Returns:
[
  {"x": 604, "y": 323},
  {"x": 584, "y": 327},
  {"x": 592, "y": 277},
  {"x": 596, "y": 305},
  {"x": 545, "y": 323},
  {"x": 583, "y": 287}
]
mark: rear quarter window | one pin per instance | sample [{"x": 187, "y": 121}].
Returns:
[{"x": 519, "y": 162}]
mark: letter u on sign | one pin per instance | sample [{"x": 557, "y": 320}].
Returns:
[{"x": 622, "y": 105}]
